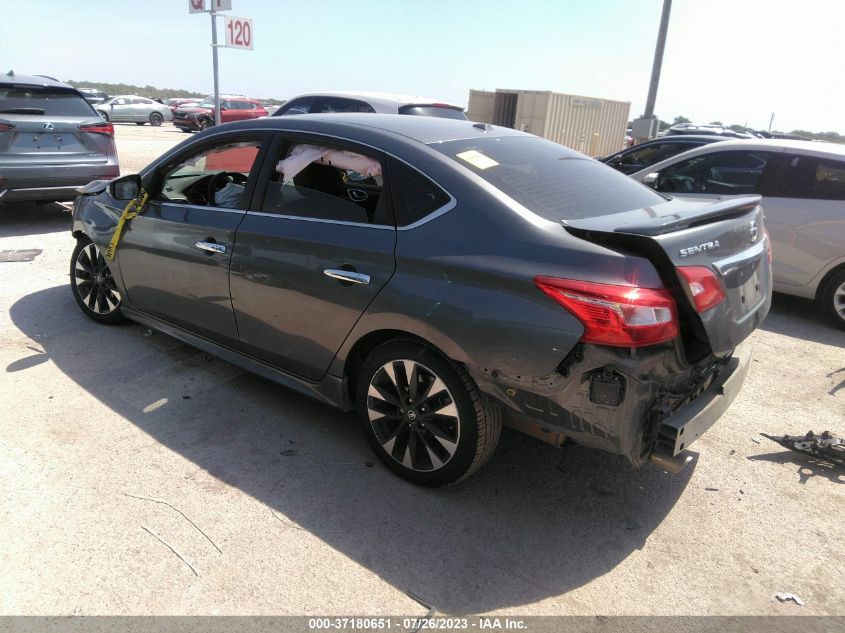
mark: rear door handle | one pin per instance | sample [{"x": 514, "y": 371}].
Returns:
[
  {"x": 211, "y": 247},
  {"x": 346, "y": 275}
]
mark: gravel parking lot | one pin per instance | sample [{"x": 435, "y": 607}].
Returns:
[{"x": 141, "y": 476}]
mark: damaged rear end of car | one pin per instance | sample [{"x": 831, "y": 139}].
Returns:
[{"x": 660, "y": 356}]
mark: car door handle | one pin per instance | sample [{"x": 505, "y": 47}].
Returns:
[
  {"x": 211, "y": 247},
  {"x": 346, "y": 275}
]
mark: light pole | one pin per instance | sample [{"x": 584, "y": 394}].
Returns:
[
  {"x": 645, "y": 127},
  {"x": 213, "y": 15}
]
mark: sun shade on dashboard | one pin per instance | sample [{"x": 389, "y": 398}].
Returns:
[{"x": 302, "y": 155}]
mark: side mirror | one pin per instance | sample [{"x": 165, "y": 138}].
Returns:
[
  {"x": 126, "y": 187},
  {"x": 650, "y": 180},
  {"x": 223, "y": 108}
]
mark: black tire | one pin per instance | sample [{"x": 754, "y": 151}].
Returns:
[
  {"x": 461, "y": 444},
  {"x": 185, "y": 130},
  {"x": 104, "y": 115},
  {"x": 140, "y": 122},
  {"x": 156, "y": 119},
  {"x": 832, "y": 298},
  {"x": 92, "y": 284},
  {"x": 206, "y": 123}
]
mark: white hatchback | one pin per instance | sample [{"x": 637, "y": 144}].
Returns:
[{"x": 803, "y": 189}]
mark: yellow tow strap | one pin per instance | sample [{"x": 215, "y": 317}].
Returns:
[{"x": 132, "y": 209}]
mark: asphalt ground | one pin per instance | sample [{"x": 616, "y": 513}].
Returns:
[{"x": 141, "y": 476}]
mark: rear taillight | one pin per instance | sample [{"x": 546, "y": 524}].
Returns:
[
  {"x": 5, "y": 128},
  {"x": 98, "y": 128},
  {"x": 704, "y": 286},
  {"x": 622, "y": 316}
]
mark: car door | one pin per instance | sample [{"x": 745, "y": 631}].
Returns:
[
  {"x": 141, "y": 109},
  {"x": 309, "y": 260},
  {"x": 174, "y": 257},
  {"x": 805, "y": 217},
  {"x": 120, "y": 110}
]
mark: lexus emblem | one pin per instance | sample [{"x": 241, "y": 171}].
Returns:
[
  {"x": 47, "y": 127},
  {"x": 752, "y": 229}
]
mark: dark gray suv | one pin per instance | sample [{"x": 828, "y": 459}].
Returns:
[
  {"x": 443, "y": 278},
  {"x": 51, "y": 140}
]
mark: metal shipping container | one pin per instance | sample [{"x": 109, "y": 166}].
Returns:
[{"x": 595, "y": 127}]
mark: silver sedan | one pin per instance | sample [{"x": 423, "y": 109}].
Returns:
[{"x": 134, "y": 109}]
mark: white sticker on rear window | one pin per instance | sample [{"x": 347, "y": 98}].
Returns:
[{"x": 477, "y": 159}]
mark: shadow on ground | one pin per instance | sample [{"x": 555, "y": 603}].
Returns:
[
  {"x": 801, "y": 318},
  {"x": 18, "y": 219},
  {"x": 535, "y": 523}
]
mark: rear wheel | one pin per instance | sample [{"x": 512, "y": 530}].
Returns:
[
  {"x": 423, "y": 415},
  {"x": 92, "y": 284},
  {"x": 833, "y": 298},
  {"x": 156, "y": 119}
]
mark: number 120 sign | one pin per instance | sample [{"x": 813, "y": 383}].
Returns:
[{"x": 238, "y": 32}]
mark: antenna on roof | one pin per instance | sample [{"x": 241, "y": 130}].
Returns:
[
  {"x": 11, "y": 73},
  {"x": 485, "y": 127}
]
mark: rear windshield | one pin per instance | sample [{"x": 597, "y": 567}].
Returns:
[
  {"x": 46, "y": 101},
  {"x": 444, "y": 112},
  {"x": 551, "y": 180}
]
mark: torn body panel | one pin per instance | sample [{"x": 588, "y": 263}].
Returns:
[{"x": 620, "y": 400}]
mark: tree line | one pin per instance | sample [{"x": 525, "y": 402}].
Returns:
[{"x": 150, "y": 92}]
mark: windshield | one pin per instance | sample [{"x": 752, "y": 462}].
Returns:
[
  {"x": 551, "y": 180},
  {"x": 202, "y": 104}
]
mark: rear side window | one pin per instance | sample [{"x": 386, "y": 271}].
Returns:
[
  {"x": 444, "y": 112},
  {"x": 812, "y": 177},
  {"x": 721, "y": 173},
  {"x": 652, "y": 154},
  {"x": 551, "y": 180},
  {"x": 415, "y": 195},
  {"x": 46, "y": 101}
]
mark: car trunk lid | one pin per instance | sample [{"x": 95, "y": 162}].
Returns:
[
  {"x": 28, "y": 140},
  {"x": 726, "y": 237}
]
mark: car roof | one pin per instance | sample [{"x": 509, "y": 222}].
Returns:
[
  {"x": 680, "y": 138},
  {"x": 380, "y": 98},
  {"x": 424, "y": 129},
  {"x": 32, "y": 80}
]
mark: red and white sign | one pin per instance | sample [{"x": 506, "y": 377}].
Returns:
[
  {"x": 196, "y": 6},
  {"x": 238, "y": 32}
]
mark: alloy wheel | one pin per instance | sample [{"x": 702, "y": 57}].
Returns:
[
  {"x": 94, "y": 281},
  {"x": 413, "y": 415},
  {"x": 839, "y": 301}
]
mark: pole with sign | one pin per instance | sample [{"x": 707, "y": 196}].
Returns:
[{"x": 238, "y": 35}]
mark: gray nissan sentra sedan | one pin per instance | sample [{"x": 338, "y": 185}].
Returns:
[{"x": 441, "y": 277}]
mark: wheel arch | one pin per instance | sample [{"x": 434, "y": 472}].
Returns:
[
  {"x": 354, "y": 358},
  {"x": 822, "y": 285}
]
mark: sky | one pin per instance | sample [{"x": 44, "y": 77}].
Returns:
[{"x": 735, "y": 61}]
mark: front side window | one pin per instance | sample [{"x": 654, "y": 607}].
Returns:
[
  {"x": 328, "y": 183},
  {"x": 297, "y": 106},
  {"x": 336, "y": 104},
  {"x": 720, "y": 173},
  {"x": 215, "y": 177}
]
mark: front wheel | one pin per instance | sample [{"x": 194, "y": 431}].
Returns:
[
  {"x": 423, "y": 415},
  {"x": 92, "y": 284},
  {"x": 104, "y": 115},
  {"x": 156, "y": 119},
  {"x": 833, "y": 298},
  {"x": 205, "y": 124}
]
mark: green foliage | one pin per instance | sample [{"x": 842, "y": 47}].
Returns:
[
  {"x": 680, "y": 119},
  {"x": 129, "y": 89}
]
